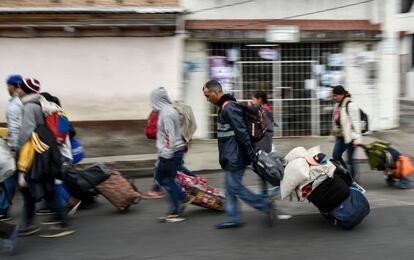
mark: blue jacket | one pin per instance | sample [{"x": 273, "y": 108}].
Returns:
[{"x": 235, "y": 148}]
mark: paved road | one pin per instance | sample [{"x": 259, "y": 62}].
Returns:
[{"x": 102, "y": 233}]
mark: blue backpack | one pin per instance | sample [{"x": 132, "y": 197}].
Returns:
[
  {"x": 77, "y": 151},
  {"x": 351, "y": 211}
]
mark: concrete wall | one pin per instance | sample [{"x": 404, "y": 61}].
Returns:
[
  {"x": 195, "y": 76},
  {"x": 278, "y": 9},
  {"x": 96, "y": 78},
  {"x": 389, "y": 68},
  {"x": 365, "y": 92}
]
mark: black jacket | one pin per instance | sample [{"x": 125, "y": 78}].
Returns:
[
  {"x": 46, "y": 166},
  {"x": 235, "y": 148}
]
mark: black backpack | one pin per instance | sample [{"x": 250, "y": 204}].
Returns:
[
  {"x": 364, "y": 124},
  {"x": 254, "y": 118}
]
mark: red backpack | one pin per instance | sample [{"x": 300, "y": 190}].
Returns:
[
  {"x": 151, "y": 127},
  {"x": 58, "y": 123}
]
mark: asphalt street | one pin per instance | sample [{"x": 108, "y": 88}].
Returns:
[{"x": 102, "y": 233}]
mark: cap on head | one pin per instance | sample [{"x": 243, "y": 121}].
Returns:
[
  {"x": 319, "y": 159},
  {"x": 14, "y": 80}
]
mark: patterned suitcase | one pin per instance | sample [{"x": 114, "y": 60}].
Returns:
[{"x": 200, "y": 193}]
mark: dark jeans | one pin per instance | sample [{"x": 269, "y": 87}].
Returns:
[
  {"x": 166, "y": 173},
  {"x": 7, "y": 195},
  {"x": 234, "y": 190},
  {"x": 6, "y": 230},
  {"x": 179, "y": 162},
  {"x": 52, "y": 199},
  {"x": 339, "y": 148}
]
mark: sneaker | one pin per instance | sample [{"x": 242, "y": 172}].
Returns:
[
  {"x": 28, "y": 230},
  {"x": 4, "y": 218},
  {"x": 9, "y": 245},
  {"x": 171, "y": 218},
  {"x": 44, "y": 212},
  {"x": 57, "y": 231},
  {"x": 153, "y": 195},
  {"x": 51, "y": 221},
  {"x": 228, "y": 224},
  {"x": 72, "y": 210}
]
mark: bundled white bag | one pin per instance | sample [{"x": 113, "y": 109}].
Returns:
[
  {"x": 7, "y": 162},
  {"x": 296, "y": 173}
]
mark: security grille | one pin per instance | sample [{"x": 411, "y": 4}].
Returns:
[{"x": 288, "y": 73}]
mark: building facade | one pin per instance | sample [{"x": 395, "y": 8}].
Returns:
[
  {"x": 295, "y": 51},
  {"x": 102, "y": 58}
]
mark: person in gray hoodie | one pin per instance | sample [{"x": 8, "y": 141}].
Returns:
[
  {"x": 33, "y": 117},
  {"x": 169, "y": 146}
]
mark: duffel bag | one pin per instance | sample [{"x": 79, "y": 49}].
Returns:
[
  {"x": 351, "y": 211},
  {"x": 269, "y": 168},
  {"x": 329, "y": 194}
]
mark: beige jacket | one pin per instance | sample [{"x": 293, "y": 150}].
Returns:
[{"x": 350, "y": 122}]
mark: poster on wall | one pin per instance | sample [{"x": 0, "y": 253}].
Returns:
[
  {"x": 268, "y": 54},
  {"x": 336, "y": 60},
  {"x": 222, "y": 71}
]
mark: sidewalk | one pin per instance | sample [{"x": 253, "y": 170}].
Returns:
[
  {"x": 203, "y": 154},
  {"x": 125, "y": 147}
]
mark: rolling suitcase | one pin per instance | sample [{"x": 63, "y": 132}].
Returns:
[{"x": 120, "y": 191}]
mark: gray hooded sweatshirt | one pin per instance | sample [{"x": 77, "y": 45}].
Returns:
[
  {"x": 169, "y": 138},
  {"x": 32, "y": 117}
]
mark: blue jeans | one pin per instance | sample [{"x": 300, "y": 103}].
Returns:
[
  {"x": 6, "y": 196},
  {"x": 165, "y": 176},
  {"x": 179, "y": 162},
  {"x": 234, "y": 190},
  {"x": 339, "y": 148},
  {"x": 29, "y": 207}
]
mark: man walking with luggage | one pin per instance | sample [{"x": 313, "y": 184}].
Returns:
[
  {"x": 170, "y": 147},
  {"x": 235, "y": 153},
  {"x": 14, "y": 120}
]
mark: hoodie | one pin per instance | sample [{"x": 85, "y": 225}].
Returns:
[
  {"x": 32, "y": 117},
  {"x": 169, "y": 138}
]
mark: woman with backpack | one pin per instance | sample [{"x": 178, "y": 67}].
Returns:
[
  {"x": 346, "y": 128},
  {"x": 265, "y": 144}
]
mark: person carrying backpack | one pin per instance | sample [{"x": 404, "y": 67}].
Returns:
[
  {"x": 170, "y": 147},
  {"x": 346, "y": 128},
  {"x": 265, "y": 144},
  {"x": 33, "y": 121},
  {"x": 235, "y": 153},
  {"x": 188, "y": 127}
]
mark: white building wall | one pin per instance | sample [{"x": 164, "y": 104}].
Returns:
[
  {"x": 364, "y": 92},
  {"x": 278, "y": 9},
  {"x": 389, "y": 69},
  {"x": 96, "y": 78},
  {"x": 196, "y": 58}
]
